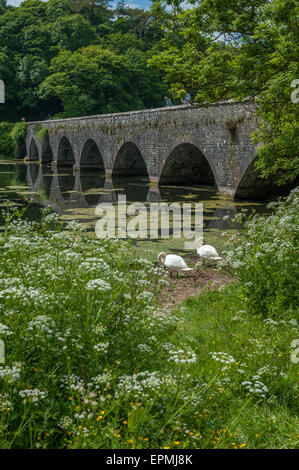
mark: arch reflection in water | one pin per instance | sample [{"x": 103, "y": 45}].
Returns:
[
  {"x": 67, "y": 191},
  {"x": 135, "y": 189},
  {"x": 39, "y": 180}
]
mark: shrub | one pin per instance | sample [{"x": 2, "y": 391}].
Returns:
[
  {"x": 7, "y": 145},
  {"x": 19, "y": 131},
  {"x": 264, "y": 257},
  {"x": 43, "y": 134}
]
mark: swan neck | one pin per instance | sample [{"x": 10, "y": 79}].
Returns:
[{"x": 161, "y": 258}]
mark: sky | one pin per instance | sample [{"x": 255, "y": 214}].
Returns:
[{"x": 133, "y": 4}]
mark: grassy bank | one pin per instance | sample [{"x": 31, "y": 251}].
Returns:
[{"x": 91, "y": 363}]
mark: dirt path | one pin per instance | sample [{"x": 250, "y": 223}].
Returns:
[{"x": 191, "y": 285}]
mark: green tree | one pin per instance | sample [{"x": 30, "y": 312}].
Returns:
[
  {"x": 72, "y": 32},
  {"x": 237, "y": 49},
  {"x": 36, "y": 38}
]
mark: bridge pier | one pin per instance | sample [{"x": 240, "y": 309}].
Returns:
[{"x": 154, "y": 180}]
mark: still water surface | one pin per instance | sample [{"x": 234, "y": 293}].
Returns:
[{"x": 75, "y": 196}]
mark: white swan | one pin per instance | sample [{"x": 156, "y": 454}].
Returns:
[
  {"x": 173, "y": 263},
  {"x": 206, "y": 251}
]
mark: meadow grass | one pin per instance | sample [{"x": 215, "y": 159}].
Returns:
[{"x": 90, "y": 361}]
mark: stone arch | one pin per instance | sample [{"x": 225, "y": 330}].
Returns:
[
  {"x": 187, "y": 164},
  {"x": 252, "y": 186},
  {"x": 129, "y": 161},
  {"x": 65, "y": 155},
  {"x": 91, "y": 156},
  {"x": 47, "y": 154},
  {"x": 33, "y": 150},
  {"x": 21, "y": 150}
]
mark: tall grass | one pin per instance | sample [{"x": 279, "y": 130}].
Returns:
[{"x": 90, "y": 361}]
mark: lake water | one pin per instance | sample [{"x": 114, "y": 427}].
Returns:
[{"x": 75, "y": 196}]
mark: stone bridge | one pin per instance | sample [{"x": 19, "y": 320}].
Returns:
[{"x": 181, "y": 145}]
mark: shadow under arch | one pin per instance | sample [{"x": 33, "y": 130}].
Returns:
[
  {"x": 21, "y": 151},
  {"x": 65, "y": 154},
  {"x": 129, "y": 161},
  {"x": 91, "y": 156},
  {"x": 47, "y": 154},
  {"x": 252, "y": 186},
  {"x": 33, "y": 151},
  {"x": 187, "y": 164}
]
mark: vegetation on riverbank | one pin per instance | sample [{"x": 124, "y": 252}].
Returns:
[
  {"x": 91, "y": 362},
  {"x": 7, "y": 144}
]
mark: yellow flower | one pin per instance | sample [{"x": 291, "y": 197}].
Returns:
[
  {"x": 176, "y": 443},
  {"x": 98, "y": 418},
  {"x": 166, "y": 447},
  {"x": 125, "y": 422},
  {"x": 102, "y": 412},
  {"x": 80, "y": 427},
  {"x": 146, "y": 439}
]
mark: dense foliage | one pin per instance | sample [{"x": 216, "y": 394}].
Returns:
[
  {"x": 68, "y": 58},
  {"x": 237, "y": 49},
  {"x": 92, "y": 362},
  {"x": 7, "y": 145},
  {"x": 264, "y": 257}
]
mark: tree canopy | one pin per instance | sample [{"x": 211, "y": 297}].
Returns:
[
  {"x": 238, "y": 49},
  {"x": 66, "y": 58}
]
